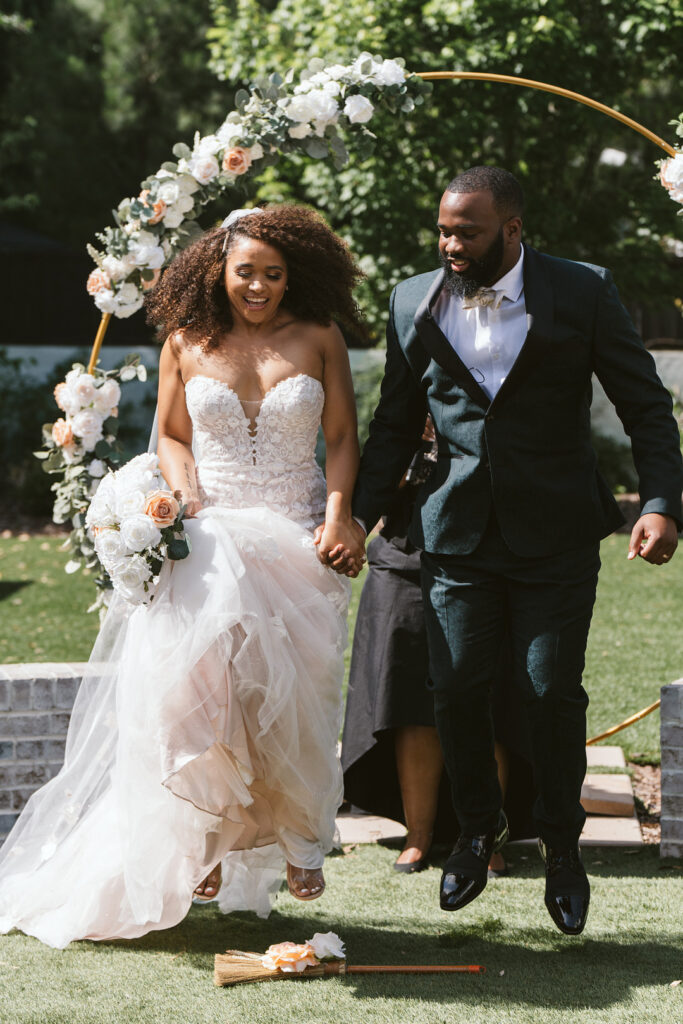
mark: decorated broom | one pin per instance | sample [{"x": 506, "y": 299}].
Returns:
[{"x": 321, "y": 956}]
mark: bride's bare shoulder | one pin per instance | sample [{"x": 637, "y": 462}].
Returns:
[{"x": 181, "y": 347}]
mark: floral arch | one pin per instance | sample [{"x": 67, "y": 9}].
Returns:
[{"x": 322, "y": 115}]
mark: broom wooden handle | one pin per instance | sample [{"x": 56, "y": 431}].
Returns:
[{"x": 414, "y": 968}]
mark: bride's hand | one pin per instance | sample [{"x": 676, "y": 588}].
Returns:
[
  {"x": 341, "y": 546},
  {"x": 192, "y": 505}
]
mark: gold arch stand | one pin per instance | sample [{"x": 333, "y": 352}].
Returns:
[{"x": 478, "y": 76}]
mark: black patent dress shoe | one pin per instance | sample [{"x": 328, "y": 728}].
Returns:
[
  {"x": 567, "y": 889},
  {"x": 465, "y": 872}
]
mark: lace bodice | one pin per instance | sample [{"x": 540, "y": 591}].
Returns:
[{"x": 259, "y": 455}]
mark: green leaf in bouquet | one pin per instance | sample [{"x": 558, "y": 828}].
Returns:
[
  {"x": 102, "y": 449},
  {"x": 182, "y": 151},
  {"x": 178, "y": 549},
  {"x": 241, "y": 100},
  {"x": 41, "y": 455},
  {"x": 111, "y": 425}
]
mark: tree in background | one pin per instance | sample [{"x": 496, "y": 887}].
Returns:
[
  {"x": 94, "y": 94},
  {"x": 582, "y": 203}
]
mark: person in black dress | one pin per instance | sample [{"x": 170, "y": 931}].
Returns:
[{"x": 391, "y": 755}]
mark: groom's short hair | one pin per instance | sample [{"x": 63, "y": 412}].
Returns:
[{"x": 508, "y": 197}]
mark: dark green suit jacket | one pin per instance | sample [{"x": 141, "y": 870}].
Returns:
[{"x": 528, "y": 451}]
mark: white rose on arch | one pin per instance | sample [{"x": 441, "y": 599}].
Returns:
[
  {"x": 118, "y": 267},
  {"x": 358, "y": 109},
  {"x": 204, "y": 168},
  {"x": 128, "y": 300},
  {"x": 87, "y": 424},
  {"x": 317, "y": 106}
]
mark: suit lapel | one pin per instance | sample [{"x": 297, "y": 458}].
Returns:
[
  {"x": 538, "y": 299},
  {"x": 439, "y": 347}
]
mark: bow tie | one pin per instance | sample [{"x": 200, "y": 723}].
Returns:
[{"x": 487, "y": 298}]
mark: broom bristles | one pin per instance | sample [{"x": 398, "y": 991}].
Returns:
[{"x": 235, "y": 967}]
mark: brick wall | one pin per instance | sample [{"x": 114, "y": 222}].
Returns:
[
  {"x": 672, "y": 769},
  {"x": 35, "y": 706}
]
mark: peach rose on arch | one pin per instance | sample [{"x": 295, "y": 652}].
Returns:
[
  {"x": 162, "y": 508},
  {"x": 147, "y": 284},
  {"x": 62, "y": 434},
  {"x": 237, "y": 160},
  {"x": 159, "y": 207},
  {"x": 97, "y": 282}
]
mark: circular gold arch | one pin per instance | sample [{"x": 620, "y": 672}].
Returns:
[{"x": 481, "y": 76}]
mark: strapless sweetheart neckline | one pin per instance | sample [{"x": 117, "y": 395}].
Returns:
[{"x": 229, "y": 387}]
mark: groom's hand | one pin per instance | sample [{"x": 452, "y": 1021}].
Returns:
[
  {"x": 654, "y": 538},
  {"x": 341, "y": 546}
]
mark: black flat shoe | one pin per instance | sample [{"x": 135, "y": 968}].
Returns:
[
  {"x": 412, "y": 867},
  {"x": 567, "y": 889},
  {"x": 465, "y": 872}
]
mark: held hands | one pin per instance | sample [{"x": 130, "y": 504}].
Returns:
[
  {"x": 654, "y": 538},
  {"x": 341, "y": 545},
  {"x": 191, "y": 502}
]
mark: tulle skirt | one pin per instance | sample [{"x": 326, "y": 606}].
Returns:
[{"x": 204, "y": 730}]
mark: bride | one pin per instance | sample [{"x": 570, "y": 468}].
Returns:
[{"x": 201, "y": 754}]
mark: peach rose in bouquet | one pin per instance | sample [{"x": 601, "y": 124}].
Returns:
[{"x": 162, "y": 508}]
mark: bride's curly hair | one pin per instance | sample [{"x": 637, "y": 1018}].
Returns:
[{"x": 321, "y": 275}]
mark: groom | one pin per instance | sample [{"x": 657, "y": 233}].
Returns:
[{"x": 500, "y": 346}]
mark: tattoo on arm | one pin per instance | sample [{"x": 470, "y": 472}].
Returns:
[{"x": 191, "y": 479}]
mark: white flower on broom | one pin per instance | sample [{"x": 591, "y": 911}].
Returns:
[
  {"x": 135, "y": 525},
  {"x": 291, "y": 957}
]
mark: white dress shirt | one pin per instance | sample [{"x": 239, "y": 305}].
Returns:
[{"x": 487, "y": 339}]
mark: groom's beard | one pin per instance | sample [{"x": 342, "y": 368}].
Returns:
[{"x": 479, "y": 274}]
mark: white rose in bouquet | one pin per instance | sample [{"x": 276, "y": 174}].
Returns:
[
  {"x": 130, "y": 502},
  {"x": 102, "y": 509},
  {"x": 136, "y": 571},
  {"x": 139, "y": 532},
  {"x": 110, "y": 546}
]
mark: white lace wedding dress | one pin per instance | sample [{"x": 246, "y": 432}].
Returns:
[{"x": 205, "y": 728}]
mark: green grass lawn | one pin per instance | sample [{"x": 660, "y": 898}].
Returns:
[
  {"x": 619, "y": 971},
  {"x": 635, "y": 643}
]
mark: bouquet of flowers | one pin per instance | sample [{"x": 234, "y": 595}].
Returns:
[{"x": 135, "y": 525}]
